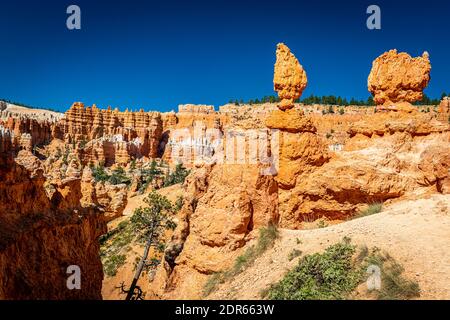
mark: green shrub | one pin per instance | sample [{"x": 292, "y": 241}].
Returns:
[
  {"x": 148, "y": 175},
  {"x": 393, "y": 285},
  {"x": 178, "y": 176},
  {"x": 337, "y": 272},
  {"x": 118, "y": 176},
  {"x": 111, "y": 265},
  {"x": 373, "y": 208},
  {"x": 99, "y": 173},
  {"x": 114, "y": 246},
  {"x": 294, "y": 254},
  {"x": 328, "y": 275},
  {"x": 178, "y": 204}
]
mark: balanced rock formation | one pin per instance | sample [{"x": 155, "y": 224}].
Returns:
[
  {"x": 299, "y": 145},
  {"x": 289, "y": 78},
  {"x": 397, "y": 79}
]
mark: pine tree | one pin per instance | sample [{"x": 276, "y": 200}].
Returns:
[{"x": 150, "y": 224}]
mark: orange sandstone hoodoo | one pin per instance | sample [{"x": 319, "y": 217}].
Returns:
[
  {"x": 289, "y": 78},
  {"x": 396, "y": 80}
]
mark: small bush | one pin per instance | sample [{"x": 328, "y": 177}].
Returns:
[
  {"x": 294, "y": 254},
  {"x": 99, "y": 173},
  {"x": 393, "y": 285},
  {"x": 337, "y": 272},
  {"x": 178, "y": 204},
  {"x": 114, "y": 246},
  {"x": 322, "y": 223},
  {"x": 148, "y": 175},
  {"x": 371, "y": 209},
  {"x": 213, "y": 281},
  {"x": 178, "y": 176},
  {"x": 111, "y": 265},
  {"x": 324, "y": 276},
  {"x": 118, "y": 176}
]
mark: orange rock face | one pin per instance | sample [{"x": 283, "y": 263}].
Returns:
[
  {"x": 289, "y": 78},
  {"x": 128, "y": 134},
  {"x": 444, "y": 106},
  {"x": 231, "y": 203},
  {"x": 41, "y": 236},
  {"x": 111, "y": 199},
  {"x": 291, "y": 120},
  {"x": 397, "y": 77},
  {"x": 29, "y": 132},
  {"x": 183, "y": 128}
]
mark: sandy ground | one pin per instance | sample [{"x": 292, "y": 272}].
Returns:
[{"x": 415, "y": 232}]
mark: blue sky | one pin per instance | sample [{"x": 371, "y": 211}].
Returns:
[{"x": 158, "y": 54}]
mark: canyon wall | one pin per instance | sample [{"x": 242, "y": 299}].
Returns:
[
  {"x": 43, "y": 230},
  {"x": 111, "y": 136}
]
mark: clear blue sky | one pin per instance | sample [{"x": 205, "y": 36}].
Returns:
[{"x": 158, "y": 54}]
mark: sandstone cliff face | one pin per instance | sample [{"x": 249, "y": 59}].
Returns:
[
  {"x": 135, "y": 134},
  {"x": 184, "y": 133},
  {"x": 368, "y": 169},
  {"x": 300, "y": 148},
  {"x": 225, "y": 204},
  {"x": 396, "y": 77},
  {"x": 195, "y": 108},
  {"x": 108, "y": 198},
  {"x": 289, "y": 78},
  {"x": 8, "y": 110},
  {"x": 41, "y": 236},
  {"x": 444, "y": 110},
  {"x": 444, "y": 106},
  {"x": 28, "y": 131}
]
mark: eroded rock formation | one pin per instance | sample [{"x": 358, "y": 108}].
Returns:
[
  {"x": 110, "y": 199},
  {"x": 289, "y": 78},
  {"x": 28, "y": 131},
  {"x": 397, "y": 79},
  {"x": 225, "y": 205},
  {"x": 40, "y": 236},
  {"x": 444, "y": 106},
  {"x": 135, "y": 134}
]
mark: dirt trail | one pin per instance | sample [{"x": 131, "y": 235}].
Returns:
[{"x": 415, "y": 232}]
